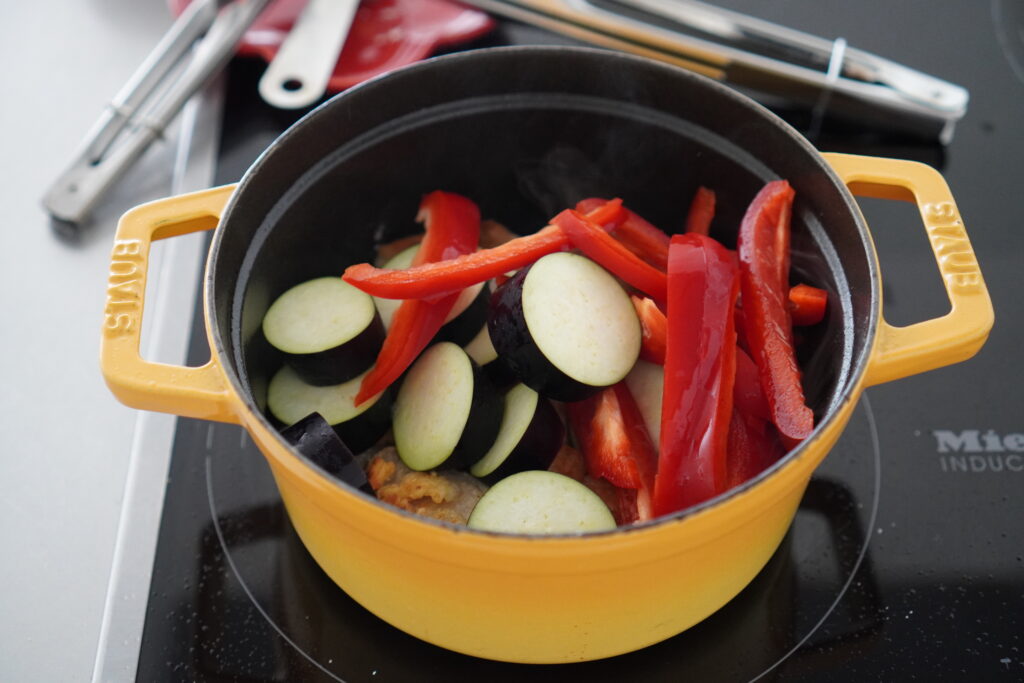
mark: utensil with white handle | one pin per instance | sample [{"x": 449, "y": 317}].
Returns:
[{"x": 299, "y": 73}]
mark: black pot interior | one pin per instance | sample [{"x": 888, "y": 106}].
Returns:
[{"x": 526, "y": 132}]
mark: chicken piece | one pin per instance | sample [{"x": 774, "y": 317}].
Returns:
[
  {"x": 448, "y": 496},
  {"x": 385, "y": 252},
  {"x": 494, "y": 234},
  {"x": 569, "y": 461}
]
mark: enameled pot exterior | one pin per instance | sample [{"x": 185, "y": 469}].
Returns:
[{"x": 531, "y": 599}]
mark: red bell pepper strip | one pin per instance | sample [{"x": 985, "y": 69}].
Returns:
[
  {"x": 653, "y": 329},
  {"x": 807, "y": 304},
  {"x": 702, "y": 211},
  {"x": 438, "y": 279},
  {"x": 700, "y": 364},
  {"x": 766, "y": 317},
  {"x": 452, "y": 225},
  {"x": 629, "y": 509},
  {"x": 603, "y": 438},
  {"x": 643, "y": 452},
  {"x": 782, "y": 233},
  {"x": 611, "y": 434},
  {"x": 753, "y": 442},
  {"x": 590, "y": 238},
  {"x": 753, "y": 446},
  {"x": 741, "y": 325},
  {"x": 638, "y": 235},
  {"x": 748, "y": 395}
]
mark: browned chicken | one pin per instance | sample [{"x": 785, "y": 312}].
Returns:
[{"x": 449, "y": 496}]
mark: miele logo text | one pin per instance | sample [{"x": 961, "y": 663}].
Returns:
[{"x": 971, "y": 450}]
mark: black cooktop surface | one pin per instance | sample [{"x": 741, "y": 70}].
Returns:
[{"x": 906, "y": 558}]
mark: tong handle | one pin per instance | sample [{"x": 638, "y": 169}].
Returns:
[
  {"x": 102, "y": 162},
  {"x": 194, "y": 21},
  {"x": 784, "y": 44},
  {"x": 758, "y": 55}
]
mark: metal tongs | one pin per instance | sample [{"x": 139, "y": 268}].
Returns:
[
  {"x": 757, "y": 55},
  {"x": 126, "y": 128}
]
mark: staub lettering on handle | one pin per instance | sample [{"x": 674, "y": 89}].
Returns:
[
  {"x": 124, "y": 288},
  {"x": 956, "y": 259}
]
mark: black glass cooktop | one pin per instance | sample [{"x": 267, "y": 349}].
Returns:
[{"x": 906, "y": 558}]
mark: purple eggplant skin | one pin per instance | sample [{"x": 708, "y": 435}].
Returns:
[
  {"x": 363, "y": 430},
  {"x": 516, "y": 349},
  {"x": 482, "y": 424},
  {"x": 314, "y": 438},
  {"x": 500, "y": 374},
  {"x": 340, "y": 363},
  {"x": 366, "y": 429},
  {"x": 538, "y": 446},
  {"x": 461, "y": 329}
]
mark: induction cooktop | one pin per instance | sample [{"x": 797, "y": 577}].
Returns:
[{"x": 906, "y": 557}]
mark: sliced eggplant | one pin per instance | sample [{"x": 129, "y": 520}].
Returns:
[
  {"x": 466, "y": 317},
  {"x": 447, "y": 412},
  {"x": 314, "y": 438},
  {"x": 290, "y": 399},
  {"x": 529, "y": 437},
  {"x": 646, "y": 382},
  {"x": 328, "y": 330},
  {"x": 539, "y": 502},
  {"x": 565, "y": 327},
  {"x": 481, "y": 350}
]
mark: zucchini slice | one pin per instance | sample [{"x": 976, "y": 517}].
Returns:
[
  {"x": 540, "y": 502},
  {"x": 565, "y": 327},
  {"x": 328, "y": 330},
  {"x": 447, "y": 412},
  {"x": 290, "y": 399},
  {"x": 466, "y": 316},
  {"x": 529, "y": 437}
]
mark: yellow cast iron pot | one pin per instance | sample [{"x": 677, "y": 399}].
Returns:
[{"x": 525, "y": 132}]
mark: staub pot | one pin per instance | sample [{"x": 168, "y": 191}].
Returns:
[{"x": 525, "y": 132}]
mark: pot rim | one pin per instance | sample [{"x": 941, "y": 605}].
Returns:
[{"x": 853, "y": 381}]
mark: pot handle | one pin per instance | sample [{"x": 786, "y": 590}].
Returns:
[
  {"x": 958, "y": 335},
  {"x": 200, "y": 392}
]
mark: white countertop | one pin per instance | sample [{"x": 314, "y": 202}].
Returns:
[{"x": 66, "y": 441}]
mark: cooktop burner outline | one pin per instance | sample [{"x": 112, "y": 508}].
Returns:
[
  {"x": 241, "y": 581},
  {"x": 863, "y": 408},
  {"x": 869, "y": 414},
  {"x": 1010, "y": 33},
  {"x": 946, "y": 571}
]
